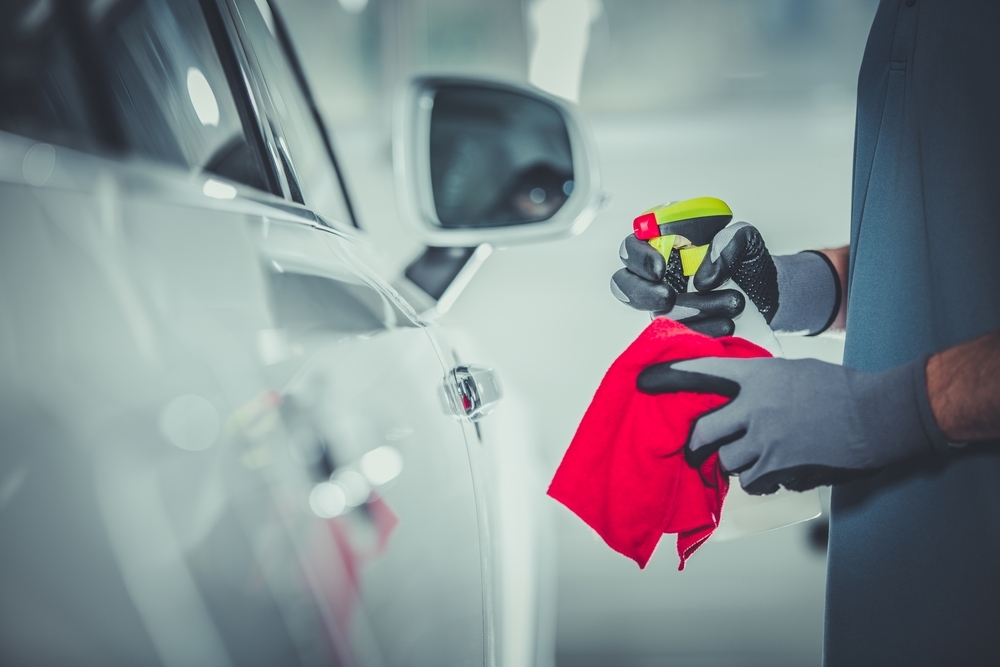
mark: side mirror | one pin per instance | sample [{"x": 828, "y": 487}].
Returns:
[{"x": 483, "y": 162}]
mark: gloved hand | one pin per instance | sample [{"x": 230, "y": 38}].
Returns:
[
  {"x": 802, "y": 423},
  {"x": 799, "y": 293},
  {"x": 648, "y": 282}
]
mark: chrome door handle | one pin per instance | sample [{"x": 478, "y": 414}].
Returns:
[{"x": 470, "y": 392}]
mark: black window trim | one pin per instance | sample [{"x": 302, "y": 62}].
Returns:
[
  {"x": 261, "y": 104},
  {"x": 282, "y": 161},
  {"x": 285, "y": 41},
  {"x": 228, "y": 48}
]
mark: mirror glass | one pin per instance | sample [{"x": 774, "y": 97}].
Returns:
[{"x": 497, "y": 158}]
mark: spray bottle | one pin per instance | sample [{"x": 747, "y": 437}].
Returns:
[{"x": 681, "y": 232}]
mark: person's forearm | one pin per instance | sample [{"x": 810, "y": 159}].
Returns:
[
  {"x": 840, "y": 258},
  {"x": 963, "y": 384}
]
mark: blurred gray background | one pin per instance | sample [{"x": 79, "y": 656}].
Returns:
[{"x": 748, "y": 100}]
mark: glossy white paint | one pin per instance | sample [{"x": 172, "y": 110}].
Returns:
[{"x": 179, "y": 373}]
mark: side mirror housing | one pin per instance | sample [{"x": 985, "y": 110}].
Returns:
[{"x": 486, "y": 162}]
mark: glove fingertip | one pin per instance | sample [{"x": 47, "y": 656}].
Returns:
[
  {"x": 617, "y": 291},
  {"x": 642, "y": 259},
  {"x": 696, "y": 457},
  {"x": 716, "y": 327},
  {"x": 640, "y": 293},
  {"x": 710, "y": 275}
]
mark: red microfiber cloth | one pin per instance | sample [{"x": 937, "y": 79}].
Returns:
[{"x": 624, "y": 473}]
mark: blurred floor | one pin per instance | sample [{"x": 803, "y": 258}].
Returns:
[{"x": 543, "y": 315}]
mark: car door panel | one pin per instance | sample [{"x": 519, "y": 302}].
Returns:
[
  {"x": 412, "y": 551},
  {"x": 141, "y": 317}
]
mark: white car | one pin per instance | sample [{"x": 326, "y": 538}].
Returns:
[{"x": 225, "y": 439}]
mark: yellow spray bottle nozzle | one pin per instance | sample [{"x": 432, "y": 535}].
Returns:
[{"x": 686, "y": 226}]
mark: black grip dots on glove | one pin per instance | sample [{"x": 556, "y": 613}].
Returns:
[{"x": 738, "y": 253}]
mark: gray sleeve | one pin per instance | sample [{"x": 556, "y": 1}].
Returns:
[{"x": 808, "y": 293}]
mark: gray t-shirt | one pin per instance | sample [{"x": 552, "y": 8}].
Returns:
[{"x": 914, "y": 558}]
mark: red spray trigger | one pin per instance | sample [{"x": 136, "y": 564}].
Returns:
[{"x": 646, "y": 227}]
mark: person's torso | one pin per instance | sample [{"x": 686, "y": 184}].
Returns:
[
  {"x": 925, "y": 223},
  {"x": 912, "y": 577}
]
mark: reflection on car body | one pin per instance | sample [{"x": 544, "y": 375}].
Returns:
[{"x": 222, "y": 434}]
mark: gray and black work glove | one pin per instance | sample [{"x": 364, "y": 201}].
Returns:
[
  {"x": 794, "y": 293},
  {"x": 802, "y": 423},
  {"x": 649, "y": 282}
]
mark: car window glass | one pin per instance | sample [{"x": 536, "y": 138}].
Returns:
[
  {"x": 41, "y": 83},
  {"x": 299, "y": 135},
  {"x": 171, "y": 90}
]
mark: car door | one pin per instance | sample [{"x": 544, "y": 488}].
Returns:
[
  {"x": 227, "y": 429},
  {"x": 364, "y": 384},
  {"x": 396, "y": 548}
]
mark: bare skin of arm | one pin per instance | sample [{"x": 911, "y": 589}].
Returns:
[{"x": 963, "y": 382}]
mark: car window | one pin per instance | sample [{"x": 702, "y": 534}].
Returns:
[
  {"x": 41, "y": 83},
  {"x": 294, "y": 122},
  {"x": 170, "y": 88}
]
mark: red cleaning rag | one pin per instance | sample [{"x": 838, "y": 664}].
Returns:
[{"x": 624, "y": 473}]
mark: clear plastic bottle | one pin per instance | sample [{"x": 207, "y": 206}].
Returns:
[{"x": 742, "y": 513}]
